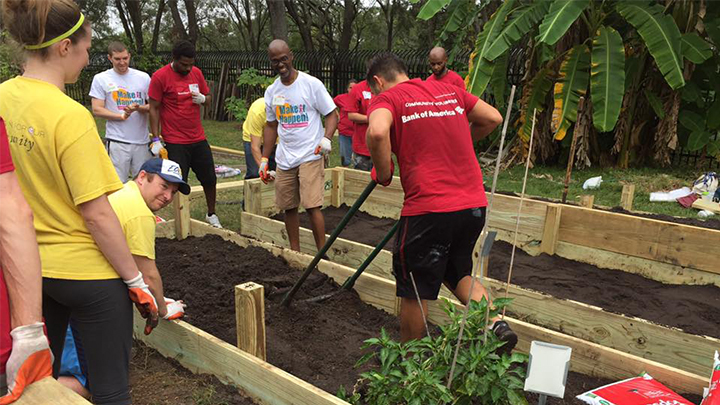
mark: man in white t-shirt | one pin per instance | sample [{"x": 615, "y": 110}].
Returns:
[
  {"x": 294, "y": 107},
  {"x": 120, "y": 96}
]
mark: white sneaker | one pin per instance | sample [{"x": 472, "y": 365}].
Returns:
[{"x": 213, "y": 220}]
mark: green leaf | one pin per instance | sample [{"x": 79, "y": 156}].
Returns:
[
  {"x": 523, "y": 20},
  {"x": 431, "y": 8},
  {"x": 481, "y": 69},
  {"x": 515, "y": 398},
  {"x": 459, "y": 15},
  {"x": 691, "y": 120},
  {"x": 691, "y": 92},
  {"x": 607, "y": 78},
  {"x": 661, "y": 36},
  {"x": 697, "y": 140},
  {"x": 495, "y": 393},
  {"x": 694, "y": 48},
  {"x": 655, "y": 103},
  {"x": 498, "y": 81},
  {"x": 713, "y": 114},
  {"x": 539, "y": 87},
  {"x": 713, "y": 148},
  {"x": 713, "y": 29},
  {"x": 573, "y": 83},
  {"x": 561, "y": 16}
]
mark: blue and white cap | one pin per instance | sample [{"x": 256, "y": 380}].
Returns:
[{"x": 168, "y": 170}]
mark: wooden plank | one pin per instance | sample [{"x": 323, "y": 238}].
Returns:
[
  {"x": 587, "y": 201},
  {"x": 628, "y": 334},
  {"x": 337, "y": 196},
  {"x": 228, "y": 185},
  {"x": 549, "y": 240},
  {"x": 253, "y": 196},
  {"x": 588, "y": 358},
  {"x": 627, "y": 196},
  {"x": 182, "y": 216},
  {"x": 666, "y": 242},
  {"x": 49, "y": 390},
  {"x": 631, "y": 335},
  {"x": 250, "y": 318},
  {"x": 701, "y": 204},
  {"x": 200, "y": 352},
  {"x": 227, "y": 151}
]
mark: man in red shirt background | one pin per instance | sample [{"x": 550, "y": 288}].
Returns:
[
  {"x": 360, "y": 98},
  {"x": 177, "y": 91},
  {"x": 440, "y": 72},
  {"x": 425, "y": 124},
  {"x": 25, "y": 357},
  {"x": 346, "y": 128}
]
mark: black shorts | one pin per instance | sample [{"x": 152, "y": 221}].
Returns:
[
  {"x": 436, "y": 248},
  {"x": 196, "y": 156}
]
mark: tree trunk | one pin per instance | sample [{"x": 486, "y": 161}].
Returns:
[
  {"x": 391, "y": 24},
  {"x": 177, "y": 20},
  {"x": 302, "y": 23},
  {"x": 278, "y": 21},
  {"x": 124, "y": 20},
  {"x": 135, "y": 11},
  {"x": 156, "y": 28},
  {"x": 194, "y": 30},
  {"x": 349, "y": 15}
]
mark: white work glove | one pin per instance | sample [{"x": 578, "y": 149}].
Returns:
[
  {"x": 198, "y": 98},
  {"x": 263, "y": 170},
  {"x": 30, "y": 360},
  {"x": 156, "y": 146},
  {"x": 175, "y": 309},
  {"x": 324, "y": 147},
  {"x": 144, "y": 301}
]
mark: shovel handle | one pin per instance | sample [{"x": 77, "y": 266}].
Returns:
[
  {"x": 368, "y": 189},
  {"x": 350, "y": 282}
]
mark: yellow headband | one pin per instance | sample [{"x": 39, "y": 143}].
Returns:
[{"x": 58, "y": 38}]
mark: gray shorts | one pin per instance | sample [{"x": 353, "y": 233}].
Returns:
[{"x": 127, "y": 157}]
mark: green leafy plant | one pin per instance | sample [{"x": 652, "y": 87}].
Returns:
[
  {"x": 416, "y": 372},
  {"x": 253, "y": 84},
  {"x": 10, "y": 64}
]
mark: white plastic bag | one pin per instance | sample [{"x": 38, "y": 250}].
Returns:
[
  {"x": 658, "y": 196},
  {"x": 592, "y": 183}
]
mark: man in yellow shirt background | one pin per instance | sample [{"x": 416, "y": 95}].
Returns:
[
  {"x": 253, "y": 139},
  {"x": 152, "y": 189}
]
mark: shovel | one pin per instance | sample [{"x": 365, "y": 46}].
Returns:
[
  {"x": 350, "y": 282},
  {"x": 368, "y": 189}
]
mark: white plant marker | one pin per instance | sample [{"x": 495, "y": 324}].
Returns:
[{"x": 547, "y": 370}]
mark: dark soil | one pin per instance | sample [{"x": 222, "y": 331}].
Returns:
[
  {"x": 156, "y": 380},
  {"x": 318, "y": 342},
  {"x": 693, "y": 308}
]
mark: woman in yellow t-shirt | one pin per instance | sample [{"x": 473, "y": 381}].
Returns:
[{"x": 89, "y": 274}]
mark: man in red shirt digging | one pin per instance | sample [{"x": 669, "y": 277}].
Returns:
[
  {"x": 176, "y": 93},
  {"x": 425, "y": 124},
  {"x": 438, "y": 61}
]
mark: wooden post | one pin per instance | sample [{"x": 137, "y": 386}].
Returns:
[
  {"x": 253, "y": 198},
  {"x": 182, "y": 216},
  {"x": 551, "y": 228},
  {"x": 628, "y": 194},
  {"x": 587, "y": 201},
  {"x": 338, "y": 187},
  {"x": 250, "y": 318}
]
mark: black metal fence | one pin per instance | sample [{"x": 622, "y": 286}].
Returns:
[{"x": 335, "y": 69}]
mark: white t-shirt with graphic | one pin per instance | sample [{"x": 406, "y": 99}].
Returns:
[
  {"x": 298, "y": 109},
  {"x": 119, "y": 91}
]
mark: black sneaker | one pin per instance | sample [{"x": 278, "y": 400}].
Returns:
[{"x": 504, "y": 333}]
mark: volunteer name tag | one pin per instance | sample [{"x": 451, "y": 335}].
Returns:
[
  {"x": 278, "y": 100},
  {"x": 194, "y": 88},
  {"x": 367, "y": 95}
]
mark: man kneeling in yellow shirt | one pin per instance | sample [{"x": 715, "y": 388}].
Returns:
[{"x": 151, "y": 190}]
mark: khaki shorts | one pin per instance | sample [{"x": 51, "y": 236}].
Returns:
[{"x": 303, "y": 184}]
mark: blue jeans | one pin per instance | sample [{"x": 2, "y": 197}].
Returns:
[
  {"x": 251, "y": 167},
  {"x": 345, "y": 149}
]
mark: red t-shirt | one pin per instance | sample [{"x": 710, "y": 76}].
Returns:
[
  {"x": 431, "y": 138},
  {"x": 345, "y": 126},
  {"x": 450, "y": 78},
  {"x": 179, "y": 116},
  {"x": 360, "y": 96},
  {"x": 6, "y": 165}
]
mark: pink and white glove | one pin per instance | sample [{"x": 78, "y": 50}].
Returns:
[{"x": 175, "y": 309}]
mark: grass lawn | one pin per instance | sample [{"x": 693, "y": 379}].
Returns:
[{"x": 543, "y": 181}]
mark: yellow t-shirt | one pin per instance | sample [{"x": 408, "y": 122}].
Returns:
[
  {"x": 137, "y": 221},
  {"x": 255, "y": 120},
  {"x": 61, "y": 163}
]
